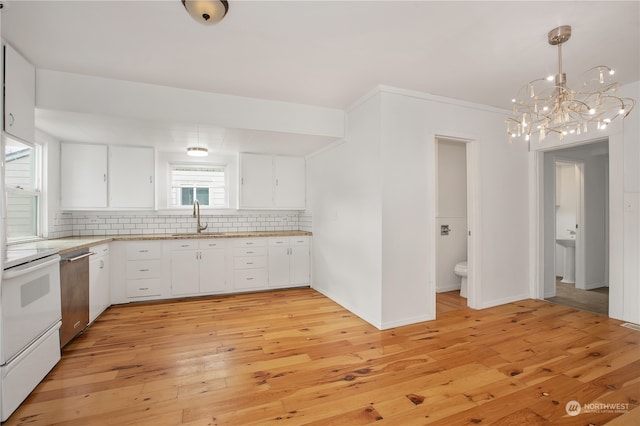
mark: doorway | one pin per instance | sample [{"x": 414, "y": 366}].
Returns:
[
  {"x": 577, "y": 273},
  {"x": 451, "y": 223}
]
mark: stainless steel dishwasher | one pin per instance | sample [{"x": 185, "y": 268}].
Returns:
[{"x": 74, "y": 294}]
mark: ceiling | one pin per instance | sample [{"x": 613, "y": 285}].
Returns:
[{"x": 324, "y": 53}]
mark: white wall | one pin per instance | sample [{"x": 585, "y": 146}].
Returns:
[
  {"x": 373, "y": 204},
  {"x": 452, "y": 211},
  {"x": 345, "y": 200}
]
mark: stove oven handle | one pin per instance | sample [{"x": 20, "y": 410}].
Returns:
[{"x": 18, "y": 271}]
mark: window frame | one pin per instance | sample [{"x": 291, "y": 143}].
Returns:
[
  {"x": 35, "y": 191},
  {"x": 193, "y": 165}
]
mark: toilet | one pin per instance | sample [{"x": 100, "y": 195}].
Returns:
[{"x": 461, "y": 271}]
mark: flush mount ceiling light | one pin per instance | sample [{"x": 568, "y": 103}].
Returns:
[
  {"x": 207, "y": 12},
  {"x": 548, "y": 105},
  {"x": 197, "y": 151}
]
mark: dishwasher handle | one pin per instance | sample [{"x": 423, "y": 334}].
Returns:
[{"x": 82, "y": 256}]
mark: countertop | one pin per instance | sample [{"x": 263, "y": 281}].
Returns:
[{"x": 69, "y": 244}]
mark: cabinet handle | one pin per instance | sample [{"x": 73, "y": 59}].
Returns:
[
  {"x": 104, "y": 177},
  {"x": 184, "y": 245},
  {"x": 276, "y": 182},
  {"x": 249, "y": 263},
  {"x": 11, "y": 119},
  {"x": 144, "y": 270},
  {"x": 77, "y": 324},
  {"x": 102, "y": 264},
  {"x": 143, "y": 288},
  {"x": 249, "y": 244},
  {"x": 249, "y": 278},
  {"x": 150, "y": 179},
  {"x": 249, "y": 252},
  {"x": 143, "y": 251}
]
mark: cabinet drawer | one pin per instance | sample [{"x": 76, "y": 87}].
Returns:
[
  {"x": 299, "y": 241},
  {"x": 217, "y": 243},
  {"x": 246, "y": 262},
  {"x": 279, "y": 242},
  {"x": 101, "y": 250},
  {"x": 250, "y": 278},
  {"x": 250, "y": 242},
  {"x": 250, "y": 251},
  {"x": 143, "y": 251},
  {"x": 141, "y": 288},
  {"x": 142, "y": 269},
  {"x": 181, "y": 245}
]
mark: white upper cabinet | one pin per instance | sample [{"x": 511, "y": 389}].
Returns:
[
  {"x": 90, "y": 172},
  {"x": 83, "y": 176},
  {"x": 19, "y": 95},
  {"x": 131, "y": 172},
  {"x": 272, "y": 182},
  {"x": 256, "y": 176},
  {"x": 290, "y": 182}
]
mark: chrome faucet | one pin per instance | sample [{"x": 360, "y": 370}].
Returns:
[{"x": 196, "y": 213}]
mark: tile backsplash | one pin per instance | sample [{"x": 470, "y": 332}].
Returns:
[{"x": 67, "y": 224}]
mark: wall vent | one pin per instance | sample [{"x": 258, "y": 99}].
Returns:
[{"x": 635, "y": 327}]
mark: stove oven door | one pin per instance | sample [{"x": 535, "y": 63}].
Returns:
[{"x": 30, "y": 298}]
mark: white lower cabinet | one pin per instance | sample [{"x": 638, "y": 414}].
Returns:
[
  {"x": 289, "y": 261},
  {"x": 143, "y": 269},
  {"x": 250, "y": 264},
  {"x": 99, "y": 293},
  {"x": 162, "y": 269},
  {"x": 197, "y": 266}
]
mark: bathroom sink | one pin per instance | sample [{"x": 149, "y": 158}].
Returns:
[
  {"x": 566, "y": 242},
  {"x": 195, "y": 234}
]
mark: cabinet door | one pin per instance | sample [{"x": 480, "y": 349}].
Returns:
[
  {"x": 213, "y": 267},
  {"x": 131, "y": 171},
  {"x": 290, "y": 182},
  {"x": 98, "y": 286},
  {"x": 19, "y": 95},
  {"x": 185, "y": 274},
  {"x": 300, "y": 270},
  {"x": 256, "y": 181},
  {"x": 83, "y": 174},
  {"x": 279, "y": 266}
]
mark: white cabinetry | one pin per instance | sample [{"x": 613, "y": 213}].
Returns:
[
  {"x": 198, "y": 266},
  {"x": 250, "y": 264},
  {"x": 99, "y": 294},
  {"x": 143, "y": 269},
  {"x": 19, "y": 95},
  {"x": 272, "y": 182},
  {"x": 88, "y": 171},
  {"x": 83, "y": 175},
  {"x": 131, "y": 171},
  {"x": 289, "y": 262}
]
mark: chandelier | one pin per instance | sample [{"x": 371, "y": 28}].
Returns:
[{"x": 548, "y": 105}]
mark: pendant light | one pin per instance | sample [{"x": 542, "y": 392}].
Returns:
[{"x": 207, "y": 12}]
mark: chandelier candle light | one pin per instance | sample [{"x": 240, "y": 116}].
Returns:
[{"x": 548, "y": 105}]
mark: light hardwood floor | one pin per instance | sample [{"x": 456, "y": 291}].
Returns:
[{"x": 295, "y": 357}]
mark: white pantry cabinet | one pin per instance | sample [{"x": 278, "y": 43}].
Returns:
[
  {"x": 289, "y": 261},
  {"x": 99, "y": 293},
  {"x": 19, "y": 95},
  {"x": 131, "y": 172},
  {"x": 272, "y": 182},
  {"x": 197, "y": 266},
  {"x": 91, "y": 172},
  {"x": 83, "y": 175}
]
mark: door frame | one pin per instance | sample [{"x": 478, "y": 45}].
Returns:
[{"x": 474, "y": 263}]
